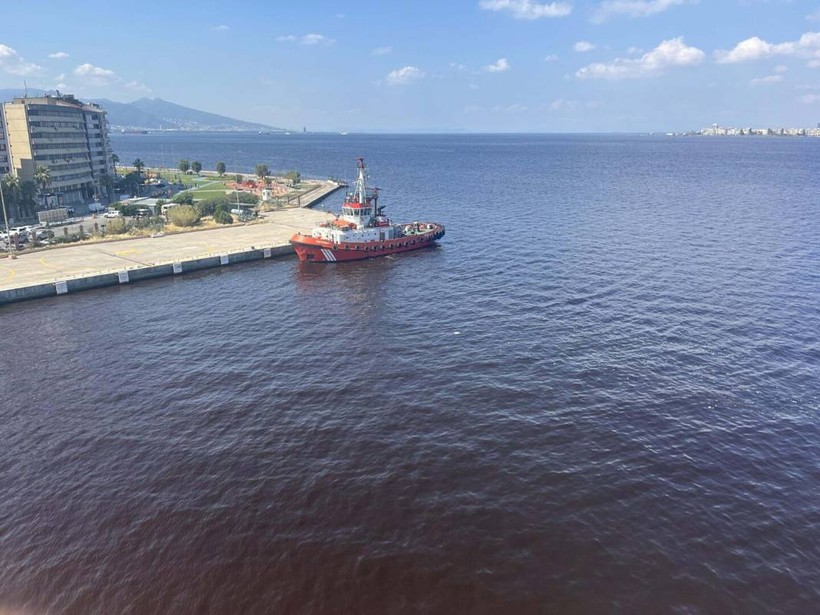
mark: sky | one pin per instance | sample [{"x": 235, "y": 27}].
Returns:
[{"x": 435, "y": 65}]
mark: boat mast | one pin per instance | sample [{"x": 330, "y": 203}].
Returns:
[{"x": 360, "y": 191}]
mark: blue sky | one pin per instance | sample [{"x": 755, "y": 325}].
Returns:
[{"x": 474, "y": 65}]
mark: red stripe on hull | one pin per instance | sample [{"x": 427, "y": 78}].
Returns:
[{"x": 317, "y": 250}]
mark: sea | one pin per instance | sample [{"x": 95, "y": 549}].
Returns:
[{"x": 599, "y": 393}]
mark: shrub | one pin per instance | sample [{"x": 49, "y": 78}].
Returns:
[
  {"x": 207, "y": 207},
  {"x": 183, "y": 215},
  {"x": 247, "y": 198},
  {"x": 116, "y": 226},
  {"x": 67, "y": 238},
  {"x": 183, "y": 198},
  {"x": 222, "y": 217},
  {"x": 127, "y": 210}
]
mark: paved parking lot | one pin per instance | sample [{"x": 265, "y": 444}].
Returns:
[{"x": 104, "y": 256}]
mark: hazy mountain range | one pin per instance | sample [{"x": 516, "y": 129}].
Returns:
[{"x": 157, "y": 114}]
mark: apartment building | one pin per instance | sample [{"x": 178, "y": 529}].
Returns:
[
  {"x": 4, "y": 154},
  {"x": 67, "y": 136}
]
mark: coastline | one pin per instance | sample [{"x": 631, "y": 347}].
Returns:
[{"x": 91, "y": 265}]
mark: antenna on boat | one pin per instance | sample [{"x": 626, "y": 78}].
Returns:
[{"x": 361, "y": 185}]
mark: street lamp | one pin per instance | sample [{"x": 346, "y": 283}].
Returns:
[{"x": 6, "y": 218}]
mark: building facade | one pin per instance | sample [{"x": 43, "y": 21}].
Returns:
[{"x": 69, "y": 138}]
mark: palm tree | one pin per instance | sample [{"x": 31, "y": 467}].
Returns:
[
  {"x": 42, "y": 177},
  {"x": 139, "y": 165},
  {"x": 10, "y": 186},
  {"x": 114, "y": 160},
  {"x": 107, "y": 183}
]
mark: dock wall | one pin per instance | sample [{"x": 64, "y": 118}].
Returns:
[{"x": 138, "y": 273}]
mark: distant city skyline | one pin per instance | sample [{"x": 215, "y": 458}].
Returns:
[{"x": 478, "y": 65}]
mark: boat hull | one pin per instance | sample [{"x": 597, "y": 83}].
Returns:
[{"x": 317, "y": 250}]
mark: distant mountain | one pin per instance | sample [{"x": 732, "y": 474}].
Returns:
[{"x": 156, "y": 114}]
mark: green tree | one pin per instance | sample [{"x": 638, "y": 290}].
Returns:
[
  {"x": 243, "y": 197},
  {"x": 107, "y": 184},
  {"x": 220, "y": 168},
  {"x": 10, "y": 186},
  {"x": 129, "y": 211},
  {"x": 196, "y": 166},
  {"x": 138, "y": 165},
  {"x": 28, "y": 192},
  {"x": 130, "y": 183},
  {"x": 262, "y": 171},
  {"x": 114, "y": 160},
  {"x": 185, "y": 198},
  {"x": 42, "y": 177},
  {"x": 183, "y": 215},
  {"x": 207, "y": 207},
  {"x": 184, "y": 165},
  {"x": 222, "y": 217},
  {"x": 239, "y": 178},
  {"x": 294, "y": 177}
]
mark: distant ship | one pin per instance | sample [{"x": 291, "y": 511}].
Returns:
[{"x": 362, "y": 230}]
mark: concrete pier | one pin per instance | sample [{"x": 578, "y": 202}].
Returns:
[{"x": 90, "y": 265}]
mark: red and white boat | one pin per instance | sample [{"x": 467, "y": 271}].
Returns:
[{"x": 362, "y": 230}]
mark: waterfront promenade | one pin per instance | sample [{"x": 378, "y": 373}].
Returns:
[{"x": 69, "y": 269}]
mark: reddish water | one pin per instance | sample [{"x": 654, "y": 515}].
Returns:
[{"x": 623, "y": 420}]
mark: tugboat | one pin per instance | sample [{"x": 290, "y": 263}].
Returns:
[{"x": 362, "y": 230}]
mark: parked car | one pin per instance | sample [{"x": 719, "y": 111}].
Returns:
[{"x": 112, "y": 213}]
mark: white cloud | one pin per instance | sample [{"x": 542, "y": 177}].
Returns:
[
  {"x": 755, "y": 48},
  {"x": 527, "y": 9},
  {"x": 633, "y": 8},
  {"x": 95, "y": 75},
  {"x": 307, "y": 39},
  {"x": 559, "y": 104},
  {"x": 404, "y": 75},
  {"x": 316, "y": 39},
  {"x": 500, "y": 66},
  {"x": 220, "y": 28},
  {"x": 382, "y": 51},
  {"x": 551, "y": 58},
  {"x": 633, "y": 51},
  {"x": 809, "y": 99},
  {"x": 781, "y": 69},
  {"x": 514, "y": 108},
  {"x": 137, "y": 87},
  {"x": 12, "y": 62},
  {"x": 583, "y": 46},
  {"x": 814, "y": 16},
  {"x": 58, "y": 55},
  {"x": 768, "y": 80},
  {"x": 668, "y": 54}
]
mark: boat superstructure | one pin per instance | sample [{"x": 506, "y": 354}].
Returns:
[{"x": 362, "y": 230}]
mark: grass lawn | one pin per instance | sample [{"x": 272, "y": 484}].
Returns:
[{"x": 208, "y": 193}]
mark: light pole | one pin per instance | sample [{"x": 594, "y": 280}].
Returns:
[{"x": 6, "y": 218}]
